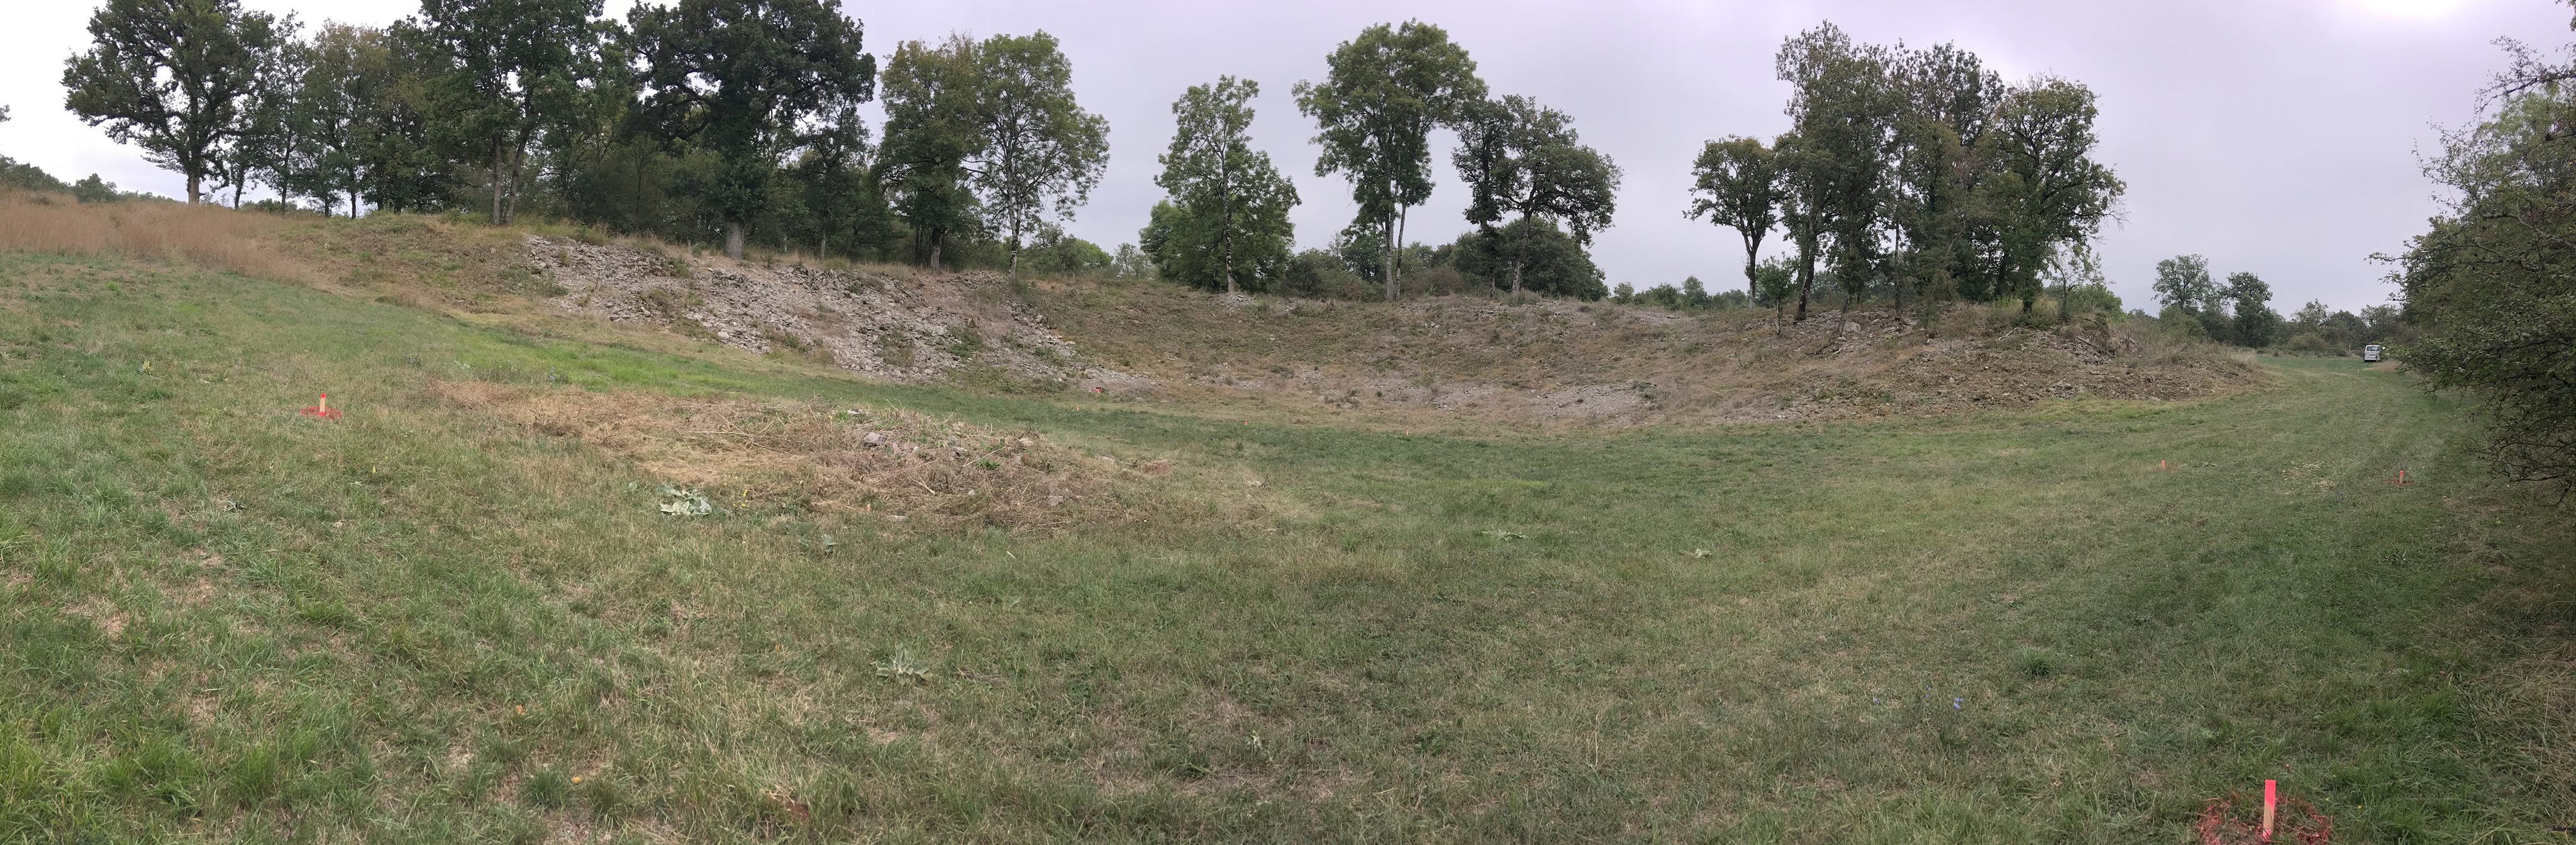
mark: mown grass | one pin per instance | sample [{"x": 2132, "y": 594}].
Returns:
[{"x": 220, "y": 620}]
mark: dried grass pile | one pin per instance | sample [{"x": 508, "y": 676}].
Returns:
[{"x": 902, "y": 465}]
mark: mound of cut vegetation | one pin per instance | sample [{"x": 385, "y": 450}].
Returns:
[{"x": 761, "y": 454}]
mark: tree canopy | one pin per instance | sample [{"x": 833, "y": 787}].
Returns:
[
  {"x": 1375, "y": 109},
  {"x": 744, "y": 78},
  {"x": 1226, "y": 218},
  {"x": 1041, "y": 152},
  {"x": 2487, "y": 284},
  {"x": 1524, "y": 161},
  {"x": 509, "y": 64},
  {"x": 2183, "y": 281},
  {"x": 933, "y": 100},
  {"x": 1736, "y": 184},
  {"x": 169, "y": 76}
]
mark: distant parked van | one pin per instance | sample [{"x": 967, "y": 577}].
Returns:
[{"x": 2370, "y": 354}]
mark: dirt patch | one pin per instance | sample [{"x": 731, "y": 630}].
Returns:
[
  {"x": 109, "y": 620},
  {"x": 900, "y": 465},
  {"x": 892, "y": 324}
]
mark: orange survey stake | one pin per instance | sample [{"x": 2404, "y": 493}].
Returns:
[{"x": 321, "y": 410}]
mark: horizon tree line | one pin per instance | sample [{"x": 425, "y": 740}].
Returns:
[{"x": 1915, "y": 173}]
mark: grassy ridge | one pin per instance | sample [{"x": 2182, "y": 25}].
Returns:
[{"x": 222, "y": 620}]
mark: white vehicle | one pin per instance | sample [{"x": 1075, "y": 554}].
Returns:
[{"x": 2370, "y": 354}]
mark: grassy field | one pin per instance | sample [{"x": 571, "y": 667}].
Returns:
[{"x": 222, "y": 621}]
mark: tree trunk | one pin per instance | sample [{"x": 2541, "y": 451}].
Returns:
[
  {"x": 1403, "y": 215},
  {"x": 496, "y": 181},
  {"x": 1225, "y": 240},
  {"x": 510, "y": 209},
  {"x": 934, "y": 253},
  {"x": 196, "y": 180},
  {"x": 1390, "y": 259},
  {"x": 1015, "y": 247},
  {"x": 733, "y": 240},
  {"x": 1752, "y": 266},
  {"x": 1520, "y": 254},
  {"x": 1806, "y": 278}
]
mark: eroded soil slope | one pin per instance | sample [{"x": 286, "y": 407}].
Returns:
[
  {"x": 887, "y": 324},
  {"x": 1622, "y": 365}
]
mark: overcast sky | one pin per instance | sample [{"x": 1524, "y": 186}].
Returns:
[{"x": 2276, "y": 136}]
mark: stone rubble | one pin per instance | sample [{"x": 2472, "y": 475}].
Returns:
[{"x": 916, "y": 329}]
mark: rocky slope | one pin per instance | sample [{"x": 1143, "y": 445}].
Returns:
[{"x": 888, "y": 325}]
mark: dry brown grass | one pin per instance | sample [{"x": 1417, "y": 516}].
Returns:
[
  {"x": 889, "y": 462},
  {"x": 208, "y": 236},
  {"x": 1430, "y": 362}
]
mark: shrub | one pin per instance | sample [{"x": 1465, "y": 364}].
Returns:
[{"x": 2312, "y": 343}]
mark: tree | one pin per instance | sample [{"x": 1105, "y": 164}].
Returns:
[
  {"x": 1772, "y": 284},
  {"x": 1524, "y": 160},
  {"x": 932, "y": 100},
  {"x": 95, "y": 189},
  {"x": 27, "y": 177},
  {"x": 1551, "y": 262},
  {"x": 1803, "y": 182},
  {"x": 1038, "y": 144},
  {"x": 2311, "y": 315},
  {"x": 264, "y": 148},
  {"x": 2183, "y": 282},
  {"x": 1376, "y": 107},
  {"x": 1736, "y": 184},
  {"x": 404, "y": 168},
  {"x": 2487, "y": 284},
  {"x": 1229, "y": 205},
  {"x": 2046, "y": 189},
  {"x": 2255, "y": 320},
  {"x": 1055, "y": 253},
  {"x": 743, "y": 79},
  {"x": 509, "y": 64},
  {"x": 838, "y": 197},
  {"x": 1948, "y": 99},
  {"x": 169, "y": 76},
  {"x": 1844, "y": 111},
  {"x": 1921, "y": 171},
  {"x": 344, "y": 76}
]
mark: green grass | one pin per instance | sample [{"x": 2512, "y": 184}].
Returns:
[{"x": 220, "y": 620}]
